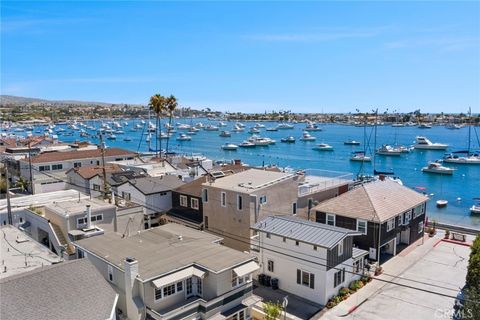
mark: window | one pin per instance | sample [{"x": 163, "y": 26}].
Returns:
[
  {"x": 400, "y": 220},
  {"x": 237, "y": 281},
  {"x": 169, "y": 290},
  {"x": 199, "y": 286},
  {"x": 183, "y": 201},
  {"x": 297, "y": 243},
  {"x": 126, "y": 195},
  {"x": 21, "y": 220},
  {"x": 189, "y": 285},
  {"x": 408, "y": 216},
  {"x": 44, "y": 168},
  {"x": 98, "y": 162},
  {"x": 315, "y": 248},
  {"x": 205, "y": 195},
  {"x": 340, "y": 248},
  {"x": 270, "y": 265},
  {"x": 234, "y": 279},
  {"x": 98, "y": 217},
  {"x": 110, "y": 273},
  {"x": 239, "y": 202},
  {"x": 390, "y": 224},
  {"x": 81, "y": 222},
  {"x": 362, "y": 226},
  {"x": 294, "y": 208},
  {"x": 223, "y": 199},
  {"x": 420, "y": 227},
  {"x": 194, "y": 203},
  {"x": 96, "y": 187},
  {"x": 158, "y": 293},
  {"x": 263, "y": 199},
  {"x": 57, "y": 166},
  {"x": 306, "y": 279},
  {"x": 268, "y": 235},
  {"x": 330, "y": 219},
  {"x": 77, "y": 164},
  {"x": 284, "y": 239},
  {"x": 338, "y": 277},
  {"x": 179, "y": 286},
  {"x": 163, "y": 194}
]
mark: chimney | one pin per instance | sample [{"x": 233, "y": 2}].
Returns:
[
  {"x": 89, "y": 216},
  {"x": 131, "y": 273}
]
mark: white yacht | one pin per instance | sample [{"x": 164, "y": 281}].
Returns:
[
  {"x": 307, "y": 137},
  {"x": 230, "y": 147},
  {"x": 237, "y": 128},
  {"x": 222, "y": 124},
  {"x": 112, "y": 137},
  {"x": 184, "y": 137},
  {"x": 466, "y": 158},
  {"x": 253, "y": 130},
  {"x": 323, "y": 147},
  {"x": 259, "y": 125},
  {"x": 313, "y": 127},
  {"x": 360, "y": 156},
  {"x": 475, "y": 208},
  {"x": 211, "y": 127},
  {"x": 225, "y": 134},
  {"x": 272, "y": 129},
  {"x": 442, "y": 203},
  {"x": 284, "y": 126},
  {"x": 351, "y": 143},
  {"x": 387, "y": 150},
  {"x": 289, "y": 139},
  {"x": 247, "y": 144},
  {"x": 182, "y": 126},
  {"x": 435, "y": 167},
  {"x": 423, "y": 143},
  {"x": 259, "y": 141}
]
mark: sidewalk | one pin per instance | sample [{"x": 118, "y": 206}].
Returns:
[{"x": 391, "y": 271}]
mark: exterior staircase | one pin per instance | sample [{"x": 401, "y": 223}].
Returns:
[{"x": 61, "y": 238}]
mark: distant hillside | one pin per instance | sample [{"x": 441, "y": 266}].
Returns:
[{"x": 6, "y": 100}]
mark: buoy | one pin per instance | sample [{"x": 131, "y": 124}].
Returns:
[{"x": 459, "y": 199}]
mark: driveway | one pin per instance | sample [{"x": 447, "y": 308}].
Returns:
[{"x": 440, "y": 267}]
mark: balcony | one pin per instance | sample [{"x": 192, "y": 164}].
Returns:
[{"x": 320, "y": 180}]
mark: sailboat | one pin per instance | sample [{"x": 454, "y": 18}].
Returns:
[
  {"x": 441, "y": 203},
  {"x": 464, "y": 156},
  {"x": 362, "y": 155}
]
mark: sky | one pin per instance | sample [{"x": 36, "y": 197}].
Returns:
[{"x": 247, "y": 56}]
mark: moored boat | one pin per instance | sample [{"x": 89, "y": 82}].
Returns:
[
  {"x": 225, "y": 134},
  {"x": 289, "y": 139},
  {"x": 307, "y": 137},
  {"x": 184, "y": 137},
  {"x": 351, "y": 143},
  {"x": 229, "y": 147},
  {"x": 425, "y": 144},
  {"x": 323, "y": 147},
  {"x": 435, "y": 167},
  {"x": 387, "y": 150},
  {"x": 360, "y": 156}
]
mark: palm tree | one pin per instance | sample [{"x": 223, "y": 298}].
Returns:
[
  {"x": 22, "y": 183},
  {"x": 157, "y": 105},
  {"x": 171, "y": 104}
]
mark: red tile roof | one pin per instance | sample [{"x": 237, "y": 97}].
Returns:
[
  {"x": 90, "y": 172},
  {"x": 79, "y": 154}
]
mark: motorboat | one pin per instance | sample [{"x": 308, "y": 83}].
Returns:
[
  {"x": 230, "y": 147},
  {"x": 182, "y": 126},
  {"x": 247, "y": 144},
  {"x": 259, "y": 141},
  {"x": 323, "y": 147},
  {"x": 442, "y": 203},
  {"x": 396, "y": 125},
  {"x": 239, "y": 124},
  {"x": 313, "y": 127},
  {"x": 127, "y": 139},
  {"x": 284, "y": 126},
  {"x": 222, "y": 124},
  {"x": 289, "y": 139},
  {"x": 424, "y": 126},
  {"x": 225, "y": 134},
  {"x": 360, "y": 156},
  {"x": 351, "y": 143},
  {"x": 253, "y": 130},
  {"x": 211, "y": 127},
  {"x": 271, "y": 129},
  {"x": 475, "y": 208},
  {"x": 112, "y": 137},
  {"x": 387, "y": 150},
  {"x": 184, "y": 137},
  {"x": 237, "y": 128},
  {"x": 259, "y": 125},
  {"x": 405, "y": 149},
  {"x": 422, "y": 142},
  {"x": 436, "y": 167},
  {"x": 193, "y": 130},
  {"x": 307, "y": 137}
]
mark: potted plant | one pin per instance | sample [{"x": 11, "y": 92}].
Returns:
[
  {"x": 447, "y": 234},
  {"x": 378, "y": 271}
]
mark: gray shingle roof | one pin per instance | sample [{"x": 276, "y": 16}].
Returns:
[
  {"x": 69, "y": 290},
  {"x": 373, "y": 201},
  {"x": 303, "y": 230},
  {"x": 151, "y": 185}
]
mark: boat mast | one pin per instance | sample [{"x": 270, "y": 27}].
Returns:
[
  {"x": 469, "y": 128},
  {"x": 375, "y": 141}
]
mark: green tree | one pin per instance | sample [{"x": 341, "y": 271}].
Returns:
[
  {"x": 272, "y": 310},
  {"x": 22, "y": 183},
  {"x": 471, "y": 307},
  {"x": 157, "y": 105},
  {"x": 171, "y": 104}
]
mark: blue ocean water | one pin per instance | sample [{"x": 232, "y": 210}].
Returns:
[{"x": 464, "y": 184}]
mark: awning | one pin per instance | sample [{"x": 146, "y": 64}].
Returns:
[
  {"x": 178, "y": 276},
  {"x": 246, "y": 268}
]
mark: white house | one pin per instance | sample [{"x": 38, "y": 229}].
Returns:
[
  {"x": 154, "y": 193},
  {"x": 309, "y": 259}
]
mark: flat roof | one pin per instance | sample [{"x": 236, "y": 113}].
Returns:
[
  {"x": 20, "y": 253},
  {"x": 42, "y": 199},
  {"x": 249, "y": 181},
  {"x": 164, "y": 249},
  {"x": 75, "y": 207}
]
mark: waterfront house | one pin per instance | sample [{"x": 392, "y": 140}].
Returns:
[
  {"x": 173, "y": 272},
  {"x": 233, "y": 204},
  {"x": 49, "y": 168},
  {"x": 67, "y": 290},
  {"x": 308, "y": 259},
  {"x": 154, "y": 193},
  {"x": 388, "y": 215}
]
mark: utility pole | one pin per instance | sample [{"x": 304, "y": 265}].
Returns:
[
  {"x": 104, "y": 172},
  {"x": 9, "y": 206},
  {"x": 30, "y": 165}
]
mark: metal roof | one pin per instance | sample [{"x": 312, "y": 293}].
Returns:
[{"x": 319, "y": 234}]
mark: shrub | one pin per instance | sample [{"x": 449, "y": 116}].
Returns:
[
  {"x": 366, "y": 279},
  {"x": 471, "y": 306},
  {"x": 272, "y": 310},
  {"x": 343, "y": 291}
]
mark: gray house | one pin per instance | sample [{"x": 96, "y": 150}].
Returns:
[{"x": 173, "y": 272}]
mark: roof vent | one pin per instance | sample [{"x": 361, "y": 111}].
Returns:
[
  {"x": 130, "y": 259},
  {"x": 180, "y": 237}
]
